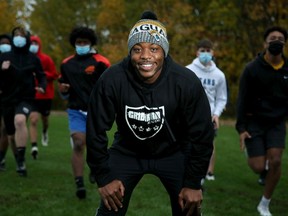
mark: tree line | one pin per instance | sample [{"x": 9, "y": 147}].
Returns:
[{"x": 235, "y": 26}]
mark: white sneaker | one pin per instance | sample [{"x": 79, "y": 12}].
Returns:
[
  {"x": 263, "y": 210},
  {"x": 210, "y": 177},
  {"x": 45, "y": 139},
  {"x": 34, "y": 152}
]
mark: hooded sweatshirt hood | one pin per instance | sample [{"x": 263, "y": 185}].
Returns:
[
  {"x": 27, "y": 36},
  {"x": 38, "y": 41}
]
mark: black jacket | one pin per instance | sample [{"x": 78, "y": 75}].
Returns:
[
  {"x": 263, "y": 93},
  {"x": 152, "y": 120},
  {"x": 17, "y": 83},
  {"x": 81, "y": 73}
]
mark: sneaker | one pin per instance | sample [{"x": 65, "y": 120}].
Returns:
[
  {"x": 21, "y": 170},
  {"x": 210, "y": 176},
  {"x": 45, "y": 139},
  {"x": 262, "y": 177},
  {"x": 34, "y": 152},
  {"x": 2, "y": 165},
  {"x": 263, "y": 210},
  {"x": 81, "y": 192}
]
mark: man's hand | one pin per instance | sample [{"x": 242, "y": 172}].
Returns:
[
  {"x": 5, "y": 65},
  {"x": 244, "y": 135},
  {"x": 112, "y": 195},
  {"x": 215, "y": 120},
  {"x": 63, "y": 87},
  {"x": 40, "y": 90},
  {"x": 190, "y": 201}
]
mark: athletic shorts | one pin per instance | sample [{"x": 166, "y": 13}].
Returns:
[
  {"x": 264, "y": 136},
  {"x": 43, "y": 106},
  {"x": 77, "y": 120},
  {"x": 9, "y": 112}
]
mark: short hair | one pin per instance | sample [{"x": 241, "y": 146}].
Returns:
[
  {"x": 82, "y": 32},
  {"x": 275, "y": 28},
  {"x": 205, "y": 43}
]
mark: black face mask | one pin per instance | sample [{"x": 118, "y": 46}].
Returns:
[{"x": 275, "y": 47}]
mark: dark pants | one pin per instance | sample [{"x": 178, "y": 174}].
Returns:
[{"x": 130, "y": 170}]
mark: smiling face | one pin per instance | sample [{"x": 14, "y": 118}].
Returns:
[{"x": 147, "y": 59}]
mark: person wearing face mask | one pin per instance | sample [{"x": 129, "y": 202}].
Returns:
[
  {"x": 79, "y": 73},
  {"x": 5, "y": 46},
  {"x": 214, "y": 83},
  {"x": 18, "y": 71},
  {"x": 43, "y": 102},
  {"x": 262, "y": 109}
]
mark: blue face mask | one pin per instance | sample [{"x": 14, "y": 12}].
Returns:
[
  {"x": 34, "y": 48},
  {"x": 205, "y": 57},
  {"x": 5, "y": 48},
  {"x": 82, "y": 50},
  {"x": 19, "y": 41}
]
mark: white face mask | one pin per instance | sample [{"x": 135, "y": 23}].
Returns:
[
  {"x": 19, "y": 41},
  {"x": 5, "y": 48},
  {"x": 34, "y": 48}
]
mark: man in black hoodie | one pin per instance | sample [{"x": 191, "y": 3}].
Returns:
[
  {"x": 17, "y": 82},
  {"x": 262, "y": 110},
  {"x": 163, "y": 120}
]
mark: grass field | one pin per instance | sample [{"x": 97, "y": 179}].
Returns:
[{"x": 49, "y": 188}]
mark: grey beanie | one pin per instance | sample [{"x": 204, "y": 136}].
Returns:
[{"x": 148, "y": 29}]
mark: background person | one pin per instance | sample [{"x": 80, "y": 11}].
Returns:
[
  {"x": 214, "y": 83},
  {"x": 262, "y": 109},
  {"x": 79, "y": 73},
  {"x": 43, "y": 102},
  {"x": 162, "y": 115},
  {"x": 17, "y": 82},
  {"x": 5, "y": 46}
]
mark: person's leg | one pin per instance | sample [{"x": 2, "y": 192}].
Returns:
[
  {"x": 45, "y": 108},
  {"x": 78, "y": 162},
  {"x": 170, "y": 171},
  {"x": 3, "y": 145},
  {"x": 21, "y": 137},
  {"x": 77, "y": 127},
  {"x": 34, "y": 116},
  {"x": 129, "y": 170},
  {"x": 274, "y": 156},
  {"x": 210, "y": 174}
]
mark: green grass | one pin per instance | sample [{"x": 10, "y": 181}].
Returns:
[{"x": 49, "y": 188}]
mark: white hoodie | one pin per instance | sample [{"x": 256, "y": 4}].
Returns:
[{"x": 214, "y": 83}]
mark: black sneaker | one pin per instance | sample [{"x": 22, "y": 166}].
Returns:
[
  {"x": 34, "y": 152},
  {"x": 262, "y": 177},
  {"x": 21, "y": 170},
  {"x": 2, "y": 165},
  {"x": 81, "y": 192}
]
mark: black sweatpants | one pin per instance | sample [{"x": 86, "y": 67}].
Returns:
[{"x": 130, "y": 170}]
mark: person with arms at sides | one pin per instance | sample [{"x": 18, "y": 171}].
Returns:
[
  {"x": 262, "y": 109},
  {"x": 214, "y": 83},
  {"x": 17, "y": 82},
  {"x": 79, "y": 73},
  {"x": 43, "y": 102},
  {"x": 5, "y": 46},
  {"x": 163, "y": 125}
]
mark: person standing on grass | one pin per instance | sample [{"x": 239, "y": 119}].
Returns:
[
  {"x": 262, "y": 108},
  {"x": 214, "y": 83},
  {"x": 5, "y": 46},
  {"x": 79, "y": 73},
  {"x": 43, "y": 102},
  {"x": 17, "y": 82},
  {"x": 163, "y": 125}
]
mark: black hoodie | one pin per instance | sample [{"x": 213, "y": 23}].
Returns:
[
  {"x": 17, "y": 83},
  {"x": 153, "y": 121},
  {"x": 263, "y": 93}
]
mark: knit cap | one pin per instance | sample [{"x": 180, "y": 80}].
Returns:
[{"x": 148, "y": 29}]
